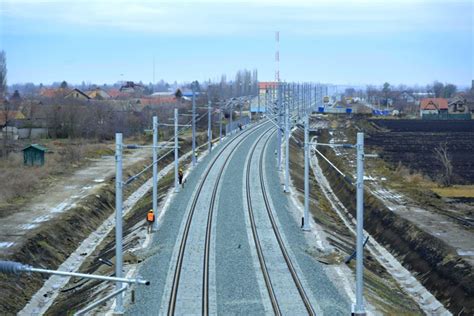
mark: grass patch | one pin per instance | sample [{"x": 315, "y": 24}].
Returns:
[{"x": 456, "y": 191}]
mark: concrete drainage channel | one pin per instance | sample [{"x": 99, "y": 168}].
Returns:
[{"x": 44, "y": 298}]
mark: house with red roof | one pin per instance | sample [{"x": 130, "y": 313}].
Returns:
[
  {"x": 267, "y": 89},
  {"x": 77, "y": 94},
  {"x": 54, "y": 92},
  {"x": 434, "y": 109}
]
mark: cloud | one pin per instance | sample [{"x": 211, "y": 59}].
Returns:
[{"x": 230, "y": 17}]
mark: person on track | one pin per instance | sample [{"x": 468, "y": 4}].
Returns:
[
  {"x": 180, "y": 177},
  {"x": 150, "y": 219},
  {"x": 196, "y": 154}
]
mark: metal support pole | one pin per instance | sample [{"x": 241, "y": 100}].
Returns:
[
  {"x": 194, "y": 129},
  {"x": 310, "y": 99},
  {"x": 291, "y": 99},
  {"x": 240, "y": 112},
  {"x": 266, "y": 101},
  {"x": 209, "y": 127},
  {"x": 155, "y": 170},
  {"x": 279, "y": 125},
  {"x": 258, "y": 100},
  {"x": 306, "y": 97},
  {"x": 287, "y": 147},
  {"x": 220, "y": 125},
  {"x": 176, "y": 152},
  {"x": 102, "y": 300},
  {"x": 303, "y": 98},
  {"x": 118, "y": 220},
  {"x": 230, "y": 125},
  {"x": 316, "y": 97},
  {"x": 13, "y": 267},
  {"x": 358, "y": 308},
  {"x": 306, "y": 225}
]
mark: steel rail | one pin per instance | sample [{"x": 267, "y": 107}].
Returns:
[
  {"x": 261, "y": 257},
  {"x": 182, "y": 248},
  {"x": 207, "y": 245},
  {"x": 276, "y": 231}
]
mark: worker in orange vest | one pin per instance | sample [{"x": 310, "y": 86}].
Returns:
[{"x": 150, "y": 218}]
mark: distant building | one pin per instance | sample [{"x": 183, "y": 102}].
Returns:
[
  {"x": 131, "y": 87},
  {"x": 54, "y": 93},
  {"x": 158, "y": 100},
  {"x": 407, "y": 97},
  {"x": 10, "y": 117},
  {"x": 77, "y": 94},
  {"x": 434, "y": 108},
  {"x": 98, "y": 94},
  {"x": 458, "y": 109},
  {"x": 267, "y": 90},
  {"x": 33, "y": 155}
]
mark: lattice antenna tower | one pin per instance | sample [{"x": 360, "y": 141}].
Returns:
[{"x": 277, "y": 56}]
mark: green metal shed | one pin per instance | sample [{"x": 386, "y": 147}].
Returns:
[{"x": 33, "y": 155}]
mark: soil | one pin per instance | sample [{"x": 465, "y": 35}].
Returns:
[
  {"x": 59, "y": 197},
  {"x": 436, "y": 264},
  {"x": 53, "y": 240},
  {"x": 381, "y": 290},
  {"x": 412, "y": 143}
]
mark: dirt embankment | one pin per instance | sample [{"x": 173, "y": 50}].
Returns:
[
  {"x": 381, "y": 290},
  {"x": 79, "y": 293},
  {"x": 51, "y": 243},
  {"x": 436, "y": 265}
]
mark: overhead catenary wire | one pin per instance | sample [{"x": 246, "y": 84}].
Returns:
[
  {"x": 346, "y": 177},
  {"x": 180, "y": 132}
]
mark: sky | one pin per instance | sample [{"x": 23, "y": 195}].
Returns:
[{"x": 354, "y": 42}]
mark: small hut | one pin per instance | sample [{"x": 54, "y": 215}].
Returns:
[{"x": 33, "y": 155}]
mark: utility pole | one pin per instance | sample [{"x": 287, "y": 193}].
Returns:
[
  {"x": 240, "y": 112},
  {"x": 293, "y": 103},
  {"x": 176, "y": 153},
  {"x": 194, "y": 128},
  {"x": 306, "y": 174},
  {"x": 303, "y": 97},
  {"x": 309, "y": 96},
  {"x": 155, "y": 170},
  {"x": 220, "y": 123},
  {"x": 298, "y": 99},
  {"x": 258, "y": 100},
  {"x": 118, "y": 220},
  {"x": 287, "y": 147},
  {"x": 279, "y": 125},
  {"x": 359, "y": 308},
  {"x": 231, "y": 110},
  {"x": 209, "y": 127}
]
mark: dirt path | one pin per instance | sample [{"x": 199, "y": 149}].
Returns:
[
  {"x": 58, "y": 198},
  {"x": 425, "y": 300},
  {"x": 436, "y": 224}
]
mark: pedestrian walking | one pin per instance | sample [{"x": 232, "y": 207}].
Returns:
[
  {"x": 180, "y": 177},
  {"x": 240, "y": 126},
  {"x": 150, "y": 218}
]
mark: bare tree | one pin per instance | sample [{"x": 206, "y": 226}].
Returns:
[
  {"x": 3, "y": 75},
  {"x": 443, "y": 157},
  {"x": 6, "y": 116}
]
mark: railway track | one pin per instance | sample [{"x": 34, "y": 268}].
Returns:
[
  {"x": 182, "y": 248},
  {"x": 256, "y": 238}
]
